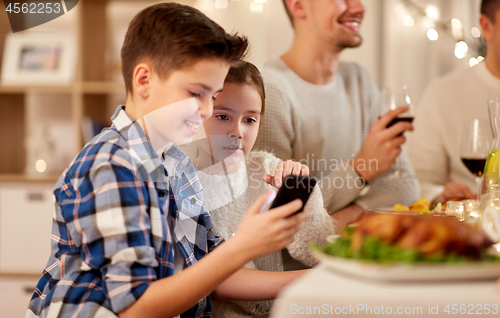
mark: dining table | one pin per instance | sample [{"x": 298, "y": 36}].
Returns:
[{"x": 327, "y": 291}]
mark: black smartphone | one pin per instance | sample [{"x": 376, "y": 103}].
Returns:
[{"x": 294, "y": 187}]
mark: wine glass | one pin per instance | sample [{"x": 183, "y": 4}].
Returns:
[
  {"x": 474, "y": 148},
  {"x": 392, "y": 100}
]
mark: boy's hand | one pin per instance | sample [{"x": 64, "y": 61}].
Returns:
[
  {"x": 284, "y": 169},
  {"x": 260, "y": 234}
]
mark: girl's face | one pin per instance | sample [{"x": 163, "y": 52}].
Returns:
[{"x": 234, "y": 125}]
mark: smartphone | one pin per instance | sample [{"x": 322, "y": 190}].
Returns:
[{"x": 294, "y": 187}]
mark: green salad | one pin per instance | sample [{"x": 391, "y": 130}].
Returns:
[{"x": 376, "y": 250}]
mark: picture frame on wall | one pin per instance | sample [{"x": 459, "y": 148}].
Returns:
[{"x": 39, "y": 59}]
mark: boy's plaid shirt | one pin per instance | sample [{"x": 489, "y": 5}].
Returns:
[{"x": 110, "y": 234}]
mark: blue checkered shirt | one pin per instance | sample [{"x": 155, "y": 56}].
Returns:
[{"x": 110, "y": 234}]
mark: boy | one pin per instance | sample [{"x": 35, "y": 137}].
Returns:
[{"x": 129, "y": 212}]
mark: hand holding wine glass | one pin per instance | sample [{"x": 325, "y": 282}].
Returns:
[
  {"x": 399, "y": 98},
  {"x": 476, "y": 140},
  {"x": 394, "y": 100},
  {"x": 383, "y": 143}
]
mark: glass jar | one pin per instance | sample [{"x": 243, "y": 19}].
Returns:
[{"x": 456, "y": 209}]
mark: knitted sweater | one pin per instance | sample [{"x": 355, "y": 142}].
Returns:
[
  {"x": 324, "y": 127},
  {"x": 446, "y": 105},
  {"x": 228, "y": 197}
]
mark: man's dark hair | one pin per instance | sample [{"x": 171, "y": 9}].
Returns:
[
  {"x": 489, "y": 8},
  {"x": 245, "y": 73},
  {"x": 171, "y": 36},
  {"x": 288, "y": 13}
]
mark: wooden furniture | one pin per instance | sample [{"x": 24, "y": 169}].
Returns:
[
  {"x": 26, "y": 202},
  {"x": 89, "y": 93}
]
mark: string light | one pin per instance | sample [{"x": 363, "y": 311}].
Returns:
[
  {"x": 475, "y": 32},
  {"x": 432, "y": 35},
  {"x": 256, "y": 7},
  {"x": 473, "y": 61},
  {"x": 461, "y": 49},
  {"x": 210, "y": 5},
  {"x": 413, "y": 13},
  {"x": 221, "y": 4},
  {"x": 205, "y": 5},
  {"x": 456, "y": 24},
  {"x": 40, "y": 166},
  {"x": 432, "y": 12},
  {"x": 408, "y": 20}
]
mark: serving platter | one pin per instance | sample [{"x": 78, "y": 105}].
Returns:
[{"x": 399, "y": 272}]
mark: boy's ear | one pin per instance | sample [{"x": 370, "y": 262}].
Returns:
[
  {"x": 141, "y": 81},
  {"x": 296, "y": 8}
]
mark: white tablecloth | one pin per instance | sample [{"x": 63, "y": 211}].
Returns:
[{"x": 323, "y": 292}]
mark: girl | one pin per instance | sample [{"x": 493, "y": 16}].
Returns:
[{"x": 232, "y": 176}]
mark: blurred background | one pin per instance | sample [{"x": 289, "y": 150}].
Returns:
[{"x": 61, "y": 82}]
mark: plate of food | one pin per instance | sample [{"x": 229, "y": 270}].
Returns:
[
  {"x": 421, "y": 206},
  {"x": 405, "y": 247}
]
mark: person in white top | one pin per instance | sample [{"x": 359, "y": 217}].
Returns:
[
  {"x": 232, "y": 177},
  {"x": 329, "y": 115},
  {"x": 434, "y": 147}
]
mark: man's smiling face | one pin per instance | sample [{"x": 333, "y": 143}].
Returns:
[{"x": 336, "y": 21}]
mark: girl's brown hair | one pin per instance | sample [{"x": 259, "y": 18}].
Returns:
[{"x": 248, "y": 74}]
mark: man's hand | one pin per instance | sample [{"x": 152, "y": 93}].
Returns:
[
  {"x": 454, "y": 190},
  {"x": 347, "y": 215},
  {"x": 260, "y": 234},
  {"x": 382, "y": 145},
  {"x": 284, "y": 169}
]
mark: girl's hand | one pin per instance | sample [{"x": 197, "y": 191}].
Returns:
[
  {"x": 284, "y": 169},
  {"x": 260, "y": 234}
]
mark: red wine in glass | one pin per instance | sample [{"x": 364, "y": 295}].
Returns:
[
  {"x": 398, "y": 119},
  {"x": 475, "y": 165}
]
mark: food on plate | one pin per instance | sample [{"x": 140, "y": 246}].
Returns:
[
  {"x": 441, "y": 206},
  {"x": 421, "y": 206},
  {"x": 411, "y": 238},
  {"x": 401, "y": 208}
]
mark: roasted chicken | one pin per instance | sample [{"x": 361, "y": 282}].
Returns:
[{"x": 429, "y": 235}]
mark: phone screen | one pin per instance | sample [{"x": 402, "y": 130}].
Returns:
[{"x": 294, "y": 187}]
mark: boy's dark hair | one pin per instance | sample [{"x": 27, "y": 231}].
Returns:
[
  {"x": 246, "y": 73},
  {"x": 489, "y": 8},
  {"x": 288, "y": 13},
  {"x": 171, "y": 36}
]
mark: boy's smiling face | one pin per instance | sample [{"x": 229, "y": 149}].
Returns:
[{"x": 175, "y": 108}]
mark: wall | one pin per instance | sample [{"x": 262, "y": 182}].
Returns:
[
  {"x": 394, "y": 54},
  {"x": 408, "y": 57}
]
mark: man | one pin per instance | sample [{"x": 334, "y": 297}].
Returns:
[
  {"x": 327, "y": 113},
  {"x": 448, "y": 102}
]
